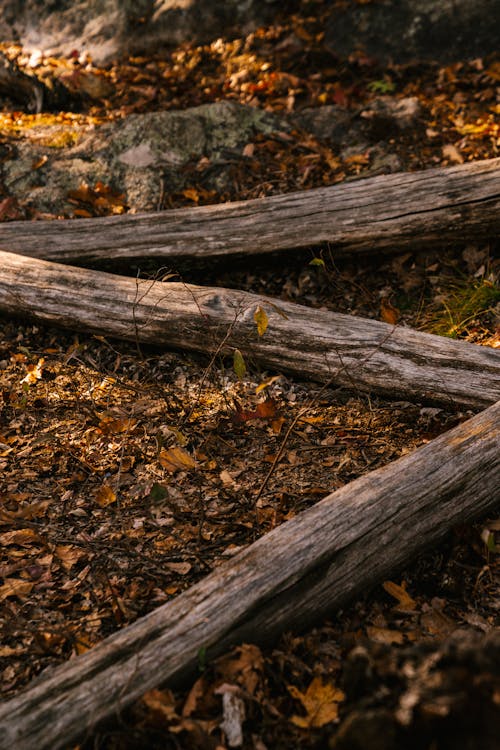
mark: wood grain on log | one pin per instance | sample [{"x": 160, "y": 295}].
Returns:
[
  {"x": 409, "y": 211},
  {"x": 329, "y": 347},
  {"x": 289, "y": 578}
]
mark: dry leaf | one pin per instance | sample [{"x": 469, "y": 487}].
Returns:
[
  {"x": 176, "y": 459},
  {"x": 452, "y": 153},
  {"x": 239, "y": 365},
  {"x": 261, "y": 320},
  {"x": 321, "y": 702},
  {"x": 161, "y": 703},
  {"x": 15, "y": 587},
  {"x": 182, "y": 568},
  {"x": 191, "y": 702},
  {"x": 68, "y": 555},
  {"x": 113, "y": 426},
  {"x": 437, "y": 623},
  {"x": 388, "y": 312},
  {"x": 243, "y": 666},
  {"x": 384, "y": 635},
  {"x": 34, "y": 372},
  {"x": 398, "y": 592},
  {"x": 19, "y": 536},
  {"x": 105, "y": 496}
]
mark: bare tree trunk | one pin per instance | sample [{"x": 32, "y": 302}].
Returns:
[
  {"x": 407, "y": 211},
  {"x": 290, "y": 578},
  {"x": 329, "y": 347}
]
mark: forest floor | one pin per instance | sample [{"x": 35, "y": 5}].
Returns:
[{"x": 127, "y": 474}]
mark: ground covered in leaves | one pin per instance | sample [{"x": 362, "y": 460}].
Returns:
[{"x": 127, "y": 474}]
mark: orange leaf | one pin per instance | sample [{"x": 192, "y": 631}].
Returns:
[
  {"x": 105, "y": 496},
  {"x": 388, "y": 312},
  {"x": 176, "y": 459},
  {"x": 320, "y": 702},
  {"x": 34, "y": 372},
  {"x": 264, "y": 410},
  {"x": 398, "y": 592}
]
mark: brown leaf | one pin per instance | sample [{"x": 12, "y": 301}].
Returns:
[
  {"x": 384, "y": 635},
  {"x": 22, "y": 537},
  {"x": 182, "y": 568},
  {"x": 68, "y": 555},
  {"x": 15, "y": 587},
  {"x": 160, "y": 703}
]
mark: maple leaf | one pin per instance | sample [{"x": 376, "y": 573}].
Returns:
[{"x": 321, "y": 702}]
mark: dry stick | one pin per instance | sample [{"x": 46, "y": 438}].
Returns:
[
  {"x": 289, "y": 578},
  {"x": 368, "y": 355},
  {"x": 409, "y": 211}
]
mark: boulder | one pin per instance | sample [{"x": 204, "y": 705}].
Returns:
[{"x": 401, "y": 31}]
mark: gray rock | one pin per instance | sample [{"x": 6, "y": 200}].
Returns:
[
  {"x": 108, "y": 29},
  {"x": 141, "y": 156},
  {"x": 400, "y": 31}
]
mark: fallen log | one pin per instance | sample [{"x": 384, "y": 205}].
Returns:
[
  {"x": 289, "y": 578},
  {"x": 407, "y": 211},
  {"x": 330, "y": 347}
]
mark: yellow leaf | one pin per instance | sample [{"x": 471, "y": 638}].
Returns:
[
  {"x": 261, "y": 320},
  {"x": 105, "y": 496},
  {"x": 267, "y": 382},
  {"x": 239, "y": 365},
  {"x": 176, "y": 459},
  {"x": 320, "y": 702}
]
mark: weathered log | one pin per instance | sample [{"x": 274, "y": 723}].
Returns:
[
  {"x": 409, "y": 211},
  {"x": 289, "y": 578},
  {"x": 329, "y": 347}
]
